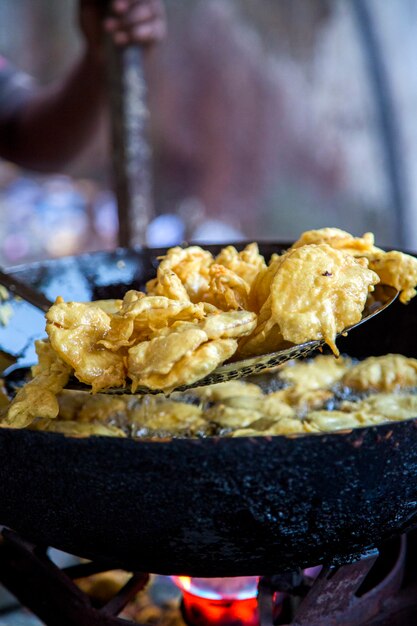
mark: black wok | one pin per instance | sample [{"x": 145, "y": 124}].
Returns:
[{"x": 210, "y": 507}]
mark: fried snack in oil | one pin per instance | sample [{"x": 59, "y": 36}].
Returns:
[
  {"x": 387, "y": 406},
  {"x": 74, "y": 330},
  {"x": 284, "y": 426},
  {"x": 394, "y": 268},
  {"x": 382, "y": 373},
  {"x": 98, "y": 408},
  {"x": 322, "y": 371},
  {"x": 339, "y": 240},
  {"x": 308, "y": 297},
  {"x": 398, "y": 270},
  {"x": 299, "y": 401},
  {"x": 187, "y": 352},
  {"x": 227, "y": 291},
  {"x": 229, "y": 389},
  {"x": 200, "y": 311},
  {"x": 191, "y": 265},
  {"x": 76, "y": 429},
  {"x": 166, "y": 418},
  {"x": 246, "y": 264},
  {"x": 38, "y": 398},
  {"x": 231, "y": 418},
  {"x": 329, "y": 421},
  {"x": 186, "y": 371}
]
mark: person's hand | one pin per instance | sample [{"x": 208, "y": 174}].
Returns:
[{"x": 127, "y": 21}]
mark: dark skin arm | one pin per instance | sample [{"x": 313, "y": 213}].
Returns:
[{"x": 57, "y": 121}]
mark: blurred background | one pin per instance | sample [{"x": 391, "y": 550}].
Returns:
[{"x": 267, "y": 118}]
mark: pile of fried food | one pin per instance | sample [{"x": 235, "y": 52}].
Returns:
[
  {"x": 322, "y": 394},
  {"x": 200, "y": 311}
]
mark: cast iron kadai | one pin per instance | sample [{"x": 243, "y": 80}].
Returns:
[{"x": 211, "y": 507}]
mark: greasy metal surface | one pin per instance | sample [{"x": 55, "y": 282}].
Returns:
[{"x": 211, "y": 507}]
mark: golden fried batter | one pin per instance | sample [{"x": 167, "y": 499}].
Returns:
[
  {"x": 186, "y": 352},
  {"x": 328, "y": 421},
  {"x": 308, "y": 297},
  {"x": 227, "y": 291},
  {"x": 166, "y": 418},
  {"x": 229, "y": 389},
  {"x": 398, "y": 270},
  {"x": 231, "y": 417},
  {"x": 339, "y": 240},
  {"x": 382, "y": 373},
  {"x": 77, "y": 429},
  {"x": 384, "y": 406},
  {"x": 394, "y": 268},
  {"x": 187, "y": 370},
  {"x": 322, "y": 371},
  {"x": 191, "y": 265},
  {"x": 38, "y": 398},
  {"x": 246, "y": 264},
  {"x": 200, "y": 311},
  {"x": 74, "y": 330}
]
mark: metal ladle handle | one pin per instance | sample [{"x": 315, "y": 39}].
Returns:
[
  {"x": 130, "y": 148},
  {"x": 24, "y": 291}
]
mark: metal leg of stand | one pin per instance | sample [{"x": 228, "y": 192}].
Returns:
[{"x": 28, "y": 573}]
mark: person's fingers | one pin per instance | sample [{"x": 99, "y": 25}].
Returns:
[
  {"x": 154, "y": 30},
  {"x": 142, "y": 21},
  {"x": 137, "y": 9},
  {"x": 120, "y": 6}
]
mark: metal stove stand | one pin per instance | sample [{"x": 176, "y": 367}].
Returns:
[{"x": 379, "y": 589}]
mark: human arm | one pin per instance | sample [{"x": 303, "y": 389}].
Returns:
[{"x": 47, "y": 129}]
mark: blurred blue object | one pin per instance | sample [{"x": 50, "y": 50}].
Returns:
[{"x": 165, "y": 230}]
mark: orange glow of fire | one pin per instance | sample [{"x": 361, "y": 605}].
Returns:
[
  {"x": 219, "y": 601},
  {"x": 203, "y": 612},
  {"x": 183, "y": 582}
]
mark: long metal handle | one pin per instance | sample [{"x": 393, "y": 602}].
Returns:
[
  {"x": 131, "y": 152},
  {"x": 24, "y": 291}
]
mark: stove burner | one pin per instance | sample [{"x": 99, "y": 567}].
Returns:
[{"x": 366, "y": 592}]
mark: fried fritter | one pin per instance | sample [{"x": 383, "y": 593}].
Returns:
[
  {"x": 229, "y": 389},
  {"x": 384, "y": 406},
  {"x": 246, "y": 264},
  {"x": 394, "y": 268},
  {"x": 339, "y": 240},
  {"x": 322, "y": 371},
  {"x": 38, "y": 398},
  {"x": 187, "y": 370},
  {"x": 166, "y": 418},
  {"x": 77, "y": 429},
  {"x": 315, "y": 293},
  {"x": 191, "y": 265},
  {"x": 74, "y": 330},
  {"x": 382, "y": 373},
  {"x": 398, "y": 270}
]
